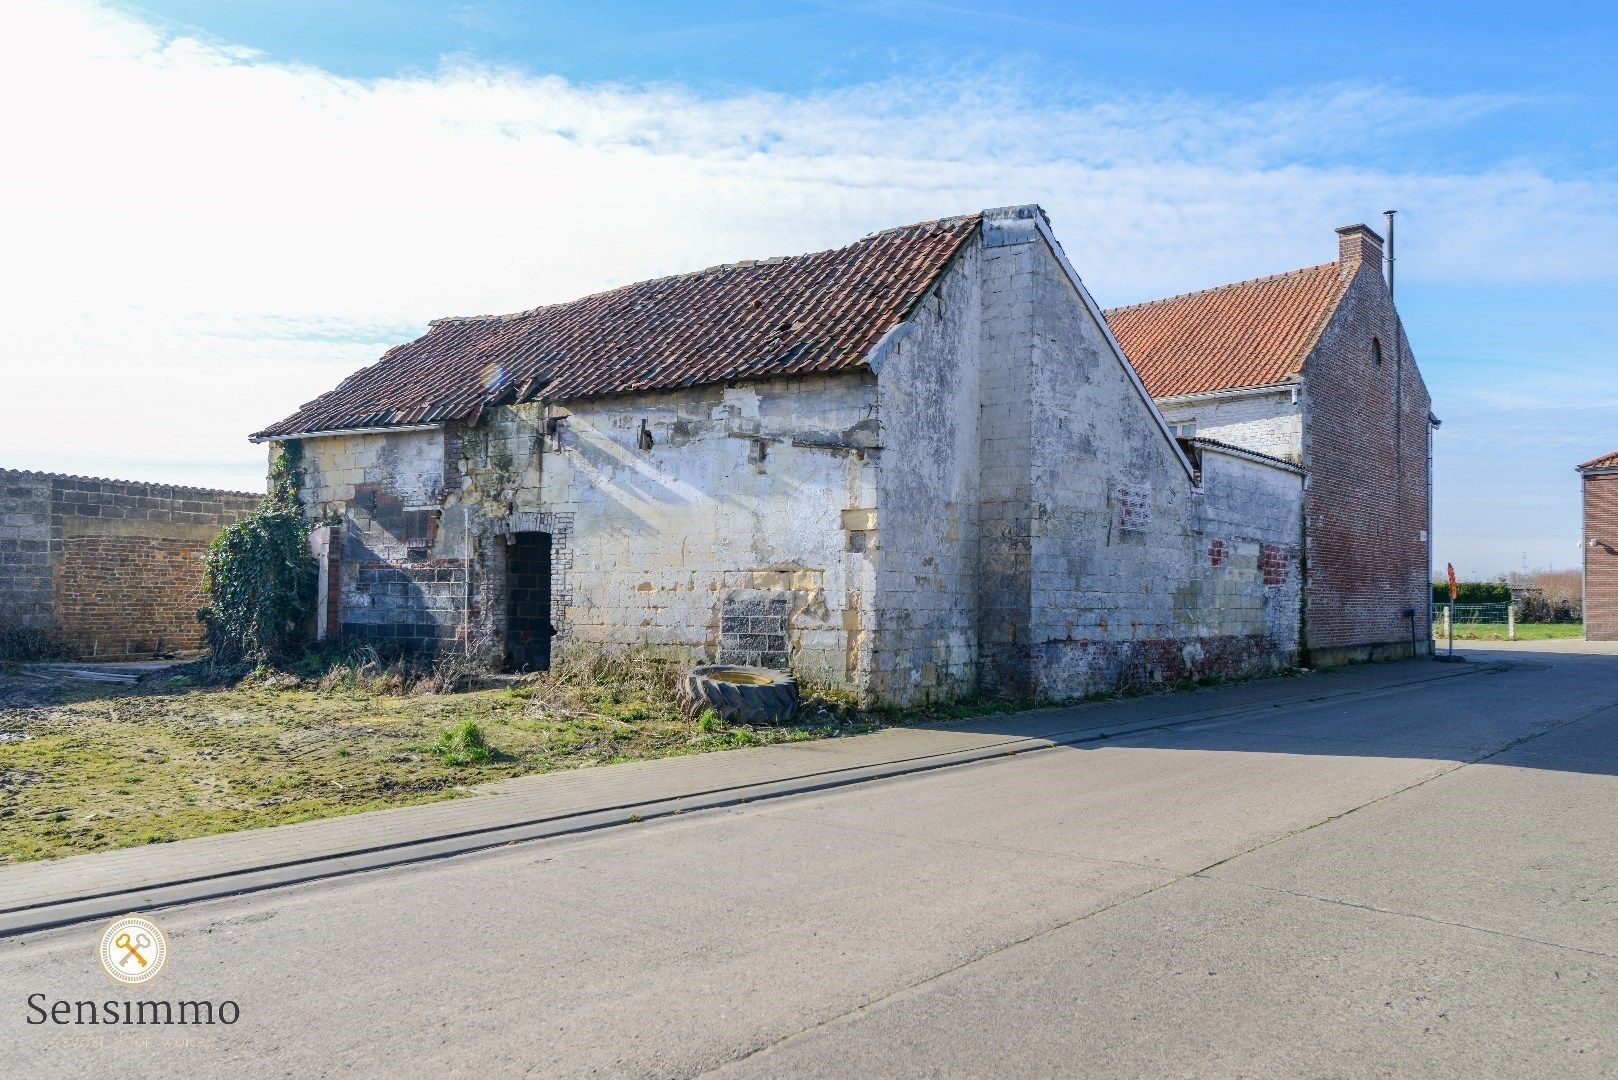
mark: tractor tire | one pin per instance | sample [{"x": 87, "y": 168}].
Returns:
[{"x": 740, "y": 695}]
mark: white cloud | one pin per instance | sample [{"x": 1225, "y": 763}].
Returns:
[{"x": 199, "y": 239}]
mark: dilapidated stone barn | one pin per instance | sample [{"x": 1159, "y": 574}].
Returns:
[{"x": 915, "y": 467}]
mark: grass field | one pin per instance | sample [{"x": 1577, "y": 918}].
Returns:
[
  {"x": 1525, "y": 631},
  {"x": 88, "y": 767},
  {"x": 108, "y": 766}
]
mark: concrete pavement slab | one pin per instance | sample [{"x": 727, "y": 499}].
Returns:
[
  {"x": 1524, "y": 844},
  {"x": 1191, "y": 807},
  {"x": 1204, "y": 978},
  {"x": 659, "y": 949}
]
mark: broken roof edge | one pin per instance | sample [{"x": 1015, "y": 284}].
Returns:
[
  {"x": 1232, "y": 450},
  {"x": 1280, "y": 386},
  {"x": 275, "y": 432}
]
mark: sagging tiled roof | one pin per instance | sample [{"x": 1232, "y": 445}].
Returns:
[
  {"x": 1605, "y": 461},
  {"x": 819, "y": 312},
  {"x": 1250, "y": 333}
]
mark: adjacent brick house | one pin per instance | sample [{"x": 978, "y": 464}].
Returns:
[
  {"x": 112, "y": 567},
  {"x": 913, "y": 467},
  {"x": 1600, "y": 477},
  {"x": 1313, "y": 366}
]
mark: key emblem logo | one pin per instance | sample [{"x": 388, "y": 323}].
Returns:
[{"x": 133, "y": 950}]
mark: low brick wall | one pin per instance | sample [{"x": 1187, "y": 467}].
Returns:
[{"x": 112, "y": 566}]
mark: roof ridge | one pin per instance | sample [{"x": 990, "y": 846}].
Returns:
[
  {"x": 1602, "y": 461},
  {"x": 718, "y": 268},
  {"x": 1221, "y": 288},
  {"x": 35, "y": 473}
]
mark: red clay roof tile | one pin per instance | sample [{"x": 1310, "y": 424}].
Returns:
[
  {"x": 1250, "y": 333},
  {"x": 1605, "y": 461},
  {"x": 819, "y": 312}
]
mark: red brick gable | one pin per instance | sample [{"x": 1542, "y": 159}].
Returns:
[
  {"x": 1605, "y": 461},
  {"x": 1249, "y": 333},
  {"x": 819, "y": 312}
]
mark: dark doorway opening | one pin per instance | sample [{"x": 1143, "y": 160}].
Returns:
[{"x": 528, "y": 602}]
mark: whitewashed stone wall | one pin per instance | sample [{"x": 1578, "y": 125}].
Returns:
[
  {"x": 1270, "y": 423},
  {"x": 926, "y": 624},
  {"x": 747, "y": 533}
]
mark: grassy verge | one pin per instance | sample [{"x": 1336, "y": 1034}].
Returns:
[
  {"x": 99, "y": 766},
  {"x": 1525, "y": 632}
]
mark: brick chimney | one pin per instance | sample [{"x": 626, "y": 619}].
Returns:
[{"x": 1358, "y": 244}]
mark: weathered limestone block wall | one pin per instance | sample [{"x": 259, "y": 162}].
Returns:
[
  {"x": 1121, "y": 590},
  {"x": 113, "y": 566},
  {"x": 1005, "y": 478},
  {"x": 926, "y": 617},
  {"x": 1270, "y": 423},
  {"x": 745, "y": 532},
  {"x": 1366, "y": 451},
  {"x": 402, "y": 560}
]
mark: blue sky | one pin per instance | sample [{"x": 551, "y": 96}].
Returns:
[{"x": 233, "y": 203}]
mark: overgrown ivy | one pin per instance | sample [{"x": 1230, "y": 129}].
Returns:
[{"x": 260, "y": 578}]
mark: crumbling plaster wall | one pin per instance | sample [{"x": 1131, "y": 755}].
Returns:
[
  {"x": 402, "y": 572},
  {"x": 745, "y": 533},
  {"x": 994, "y": 506}
]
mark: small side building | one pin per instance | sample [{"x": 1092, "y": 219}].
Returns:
[
  {"x": 1600, "y": 476},
  {"x": 1313, "y": 366},
  {"x": 112, "y": 568}
]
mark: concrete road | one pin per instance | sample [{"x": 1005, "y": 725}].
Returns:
[{"x": 1422, "y": 882}]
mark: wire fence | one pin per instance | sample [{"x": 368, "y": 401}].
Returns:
[{"x": 1472, "y": 614}]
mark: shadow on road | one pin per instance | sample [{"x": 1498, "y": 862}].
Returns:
[{"x": 1543, "y": 707}]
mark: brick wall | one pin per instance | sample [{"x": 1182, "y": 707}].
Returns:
[
  {"x": 1366, "y": 451},
  {"x": 113, "y": 566},
  {"x": 1601, "y": 560}
]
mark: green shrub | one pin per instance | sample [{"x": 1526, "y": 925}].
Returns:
[
  {"x": 259, "y": 576},
  {"x": 1473, "y": 592}
]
